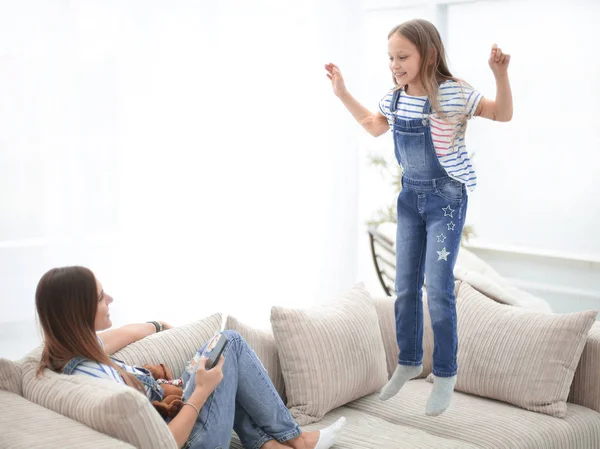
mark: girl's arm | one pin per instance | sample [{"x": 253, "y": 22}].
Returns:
[
  {"x": 116, "y": 339},
  {"x": 375, "y": 123},
  {"x": 500, "y": 109}
]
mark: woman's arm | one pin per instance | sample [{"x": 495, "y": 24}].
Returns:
[
  {"x": 500, "y": 109},
  {"x": 205, "y": 383},
  {"x": 181, "y": 426},
  {"x": 116, "y": 339}
]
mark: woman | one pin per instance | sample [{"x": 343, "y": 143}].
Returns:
[{"x": 72, "y": 306}]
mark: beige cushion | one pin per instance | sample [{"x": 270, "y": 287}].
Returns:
[
  {"x": 263, "y": 344},
  {"x": 585, "y": 389},
  {"x": 486, "y": 423},
  {"x": 10, "y": 376},
  {"x": 387, "y": 323},
  {"x": 108, "y": 407},
  {"x": 330, "y": 354},
  {"x": 173, "y": 347},
  {"x": 365, "y": 431},
  {"x": 25, "y": 425},
  {"x": 525, "y": 358}
]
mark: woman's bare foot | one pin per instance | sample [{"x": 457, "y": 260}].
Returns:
[
  {"x": 306, "y": 440},
  {"x": 273, "y": 444},
  {"x": 320, "y": 439}
]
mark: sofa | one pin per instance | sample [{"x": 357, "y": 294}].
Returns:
[{"x": 527, "y": 380}]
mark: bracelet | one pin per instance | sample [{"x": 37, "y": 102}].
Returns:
[
  {"x": 193, "y": 406},
  {"x": 157, "y": 325}
]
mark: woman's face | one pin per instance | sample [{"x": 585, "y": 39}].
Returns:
[{"x": 103, "y": 321}]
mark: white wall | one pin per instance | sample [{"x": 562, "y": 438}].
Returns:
[
  {"x": 190, "y": 153},
  {"x": 538, "y": 174}
]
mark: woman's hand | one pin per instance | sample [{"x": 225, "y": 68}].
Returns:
[
  {"x": 207, "y": 381},
  {"x": 498, "y": 61},
  {"x": 165, "y": 325},
  {"x": 337, "y": 81}
]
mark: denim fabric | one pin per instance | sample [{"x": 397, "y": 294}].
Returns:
[
  {"x": 431, "y": 215},
  {"x": 245, "y": 401}
]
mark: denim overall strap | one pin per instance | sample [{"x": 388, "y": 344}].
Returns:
[
  {"x": 145, "y": 377},
  {"x": 70, "y": 367},
  {"x": 413, "y": 145}
]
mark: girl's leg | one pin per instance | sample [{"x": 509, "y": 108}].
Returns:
[
  {"x": 410, "y": 265},
  {"x": 445, "y": 221}
]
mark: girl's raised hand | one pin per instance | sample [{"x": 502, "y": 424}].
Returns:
[
  {"x": 498, "y": 61},
  {"x": 337, "y": 81}
]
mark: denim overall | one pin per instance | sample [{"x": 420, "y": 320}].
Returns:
[
  {"x": 431, "y": 215},
  {"x": 145, "y": 377}
]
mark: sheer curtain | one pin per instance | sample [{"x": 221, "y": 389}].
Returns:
[{"x": 190, "y": 153}]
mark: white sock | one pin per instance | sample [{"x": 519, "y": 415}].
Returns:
[
  {"x": 329, "y": 435},
  {"x": 402, "y": 374},
  {"x": 441, "y": 395}
]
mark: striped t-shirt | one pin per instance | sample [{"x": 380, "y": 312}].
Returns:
[
  {"x": 448, "y": 138},
  {"x": 102, "y": 371}
]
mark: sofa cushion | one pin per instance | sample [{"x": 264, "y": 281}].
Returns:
[
  {"x": 25, "y": 425},
  {"x": 108, "y": 407},
  {"x": 522, "y": 357},
  {"x": 10, "y": 376},
  {"x": 174, "y": 347},
  {"x": 263, "y": 344},
  {"x": 365, "y": 431},
  {"x": 319, "y": 349},
  {"x": 585, "y": 389},
  {"x": 486, "y": 423},
  {"x": 387, "y": 323}
]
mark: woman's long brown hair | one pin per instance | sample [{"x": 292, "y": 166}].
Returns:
[{"x": 66, "y": 300}]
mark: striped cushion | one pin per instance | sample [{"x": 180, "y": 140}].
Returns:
[
  {"x": 330, "y": 354},
  {"x": 173, "y": 347},
  {"x": 25, "y": 425},
  {"x": 263, "y": 344},
  {"x": 522, "y": 357},
  {"x": 585, "y": 389},
  {"x": 365, "y": 431},
  {"x": 108, "y": 407},
  {"x": 387, "y": 323},
  {"x": 486, "y": 423},
  {"x": 10, "y": 376}
]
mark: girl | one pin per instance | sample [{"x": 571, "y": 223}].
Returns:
[
  {"x": 428, "y": 112},
  {"x": 72, "y": 307}
]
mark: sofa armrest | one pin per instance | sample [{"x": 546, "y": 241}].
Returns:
[
  {"x": 105, "y": 406},
  {"x": 585, "y": 389},
  {"x": 25, "y": 425}
]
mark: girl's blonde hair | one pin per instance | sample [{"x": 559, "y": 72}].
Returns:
[{"x": 434, "y": 68}]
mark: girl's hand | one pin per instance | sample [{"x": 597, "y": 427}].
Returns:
[
  {"x": 498, "y": 61},
  {"x": 337, "y": 81},
  {"x": 207, "y": 381}
]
